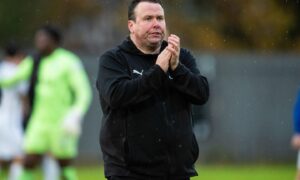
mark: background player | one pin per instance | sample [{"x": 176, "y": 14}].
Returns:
[
  {"x": 61, "y": 97},
  {"x": 11, "y": 114}
]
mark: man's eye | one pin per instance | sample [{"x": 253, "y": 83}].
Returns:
[
  {"x": 160, "y": 18},
  {"x": 148, "y": 18}
]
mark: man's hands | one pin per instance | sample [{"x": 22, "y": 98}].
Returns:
[
  {"x": 174, "y": 48},
  {"x": 163, "y": 59},
  {"x": 169, "y": 57}
]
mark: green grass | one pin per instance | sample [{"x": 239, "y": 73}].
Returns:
[
  {"x": 213, "y": 172},
  {"x": 217, "y": 172},
  {"x": 252, "y": 172}
]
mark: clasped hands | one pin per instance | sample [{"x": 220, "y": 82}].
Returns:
[{"x": 169, "y": 57}]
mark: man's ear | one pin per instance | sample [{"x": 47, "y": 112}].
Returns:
[{"x": 130, "y": 26}]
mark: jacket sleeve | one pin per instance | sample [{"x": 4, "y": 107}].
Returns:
[
  {"x": 297, "y": 115},
  {"x": 188, "y": 80},
  {"x": 23, "y": 73},
  {"x": 80, "y": 85},
  {"x": 116, "y": 86}
]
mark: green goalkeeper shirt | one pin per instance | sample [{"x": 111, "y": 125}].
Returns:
[{"x": 62, "y": 86}]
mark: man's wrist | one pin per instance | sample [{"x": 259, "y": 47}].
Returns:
[
  {"x": 162, "y": 67},
  {"x": 174, "y": 66}
]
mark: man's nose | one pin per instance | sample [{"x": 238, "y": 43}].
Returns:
[{"x": 156, "y": 23}]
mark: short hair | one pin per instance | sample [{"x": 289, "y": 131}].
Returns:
[
  {"x": 53, "y": 32},
  {"x": 12, "y": 49},
  {"x": 134, "y": 3}
]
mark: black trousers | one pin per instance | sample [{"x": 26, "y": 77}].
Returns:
[{"x": 146, "y": 178}]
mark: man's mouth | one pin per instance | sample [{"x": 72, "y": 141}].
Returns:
[{"x": 156, "y": 34}]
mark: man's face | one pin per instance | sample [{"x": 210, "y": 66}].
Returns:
[
  {"x": 42, "y": 41},
  {"x": 149, "y": 26}
]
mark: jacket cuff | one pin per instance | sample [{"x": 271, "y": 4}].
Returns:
[
  {"x": 180, "y": 70},
  {"x": 159, "y": 69},
  {"x": 156, "y": 77}
]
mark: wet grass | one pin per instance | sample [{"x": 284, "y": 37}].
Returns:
[
  {"x": 217, "y": 172},
  {"x": 211, "y": 172}
]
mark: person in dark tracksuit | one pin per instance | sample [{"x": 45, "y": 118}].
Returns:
[
  {"x": 0, "y": 96},
  {"x": 295, "y": 142},
  {"x": 146, "y": 88}
]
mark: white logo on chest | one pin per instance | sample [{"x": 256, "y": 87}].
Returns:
[{"x": 137, "y": 72}]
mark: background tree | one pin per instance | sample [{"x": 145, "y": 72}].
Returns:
[{"x": 227, "y": 25}]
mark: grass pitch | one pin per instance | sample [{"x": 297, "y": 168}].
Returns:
[
  {"x": 206, "y": 172},
  {"x": 217, "y": 172}
]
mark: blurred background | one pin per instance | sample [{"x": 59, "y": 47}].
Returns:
[{"x": 249, "y": 50}]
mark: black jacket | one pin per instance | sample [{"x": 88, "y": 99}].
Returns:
[{"x": 146, "y": 126}]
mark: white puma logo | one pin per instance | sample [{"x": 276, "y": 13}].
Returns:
[{"x": 137, "y": 72}]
